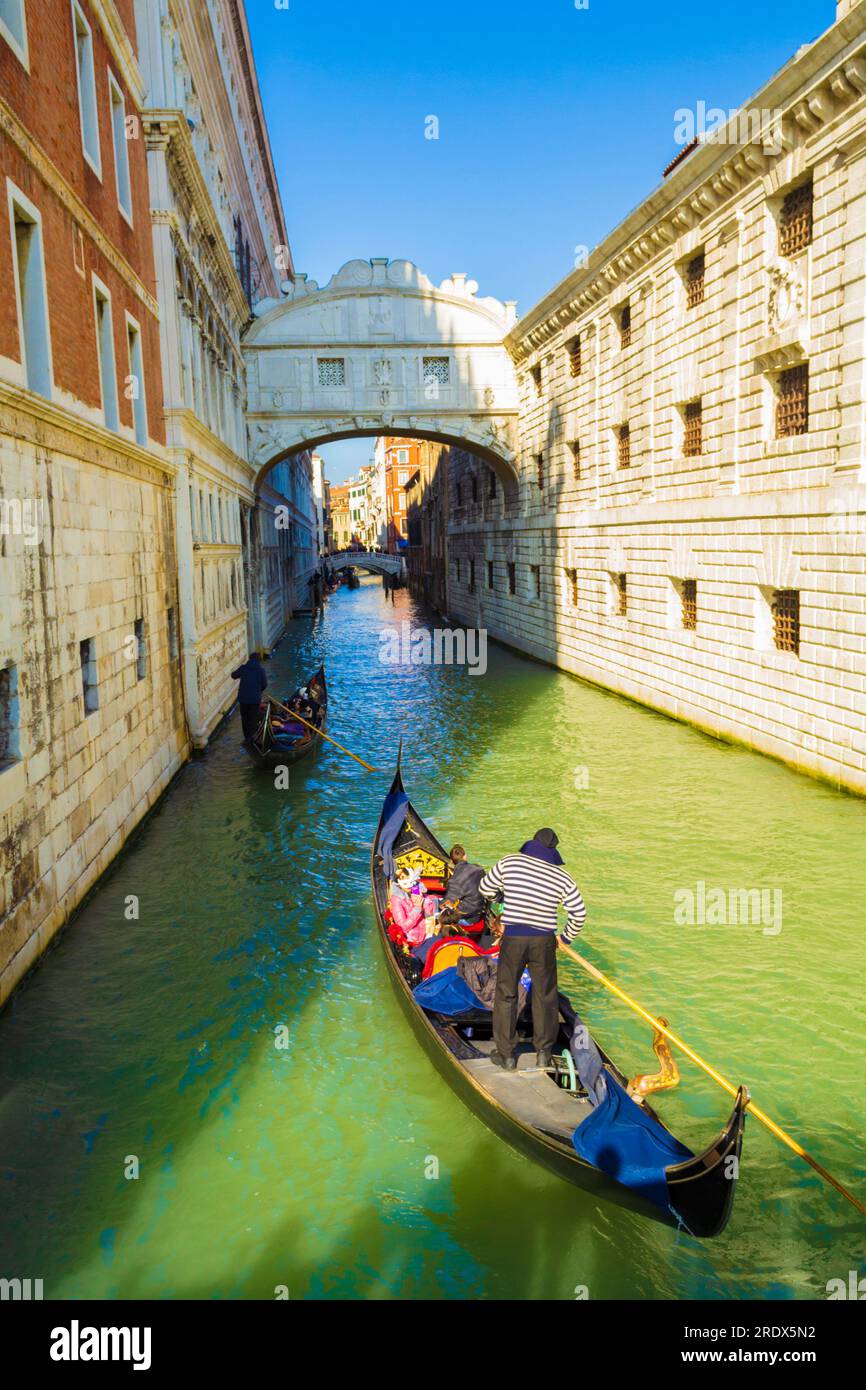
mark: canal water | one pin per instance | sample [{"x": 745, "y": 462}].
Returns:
[{"x": 149, "y": 1045}]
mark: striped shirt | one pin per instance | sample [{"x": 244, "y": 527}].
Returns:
[{"x": 533, "y": 890}]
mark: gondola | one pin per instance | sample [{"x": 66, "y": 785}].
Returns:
[
  {"x": 272, "y": 747},
  {"x": 542, "y": 1113}
]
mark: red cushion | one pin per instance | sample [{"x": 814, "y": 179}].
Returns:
[
  {"x": 434, "y": 885},
  {"x": 452, "y": 941}
]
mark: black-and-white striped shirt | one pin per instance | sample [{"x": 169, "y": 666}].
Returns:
[{"x": 533, "y": 890}]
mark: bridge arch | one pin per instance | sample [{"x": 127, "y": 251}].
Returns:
[{"x": 381, "y": 350}]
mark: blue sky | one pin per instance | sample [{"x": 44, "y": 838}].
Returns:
[{"x": 554, "y": 122}]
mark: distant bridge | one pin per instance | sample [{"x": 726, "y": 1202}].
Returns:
[{"x": 365, "y": 560}]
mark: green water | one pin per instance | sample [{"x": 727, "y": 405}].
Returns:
[{"x": 306, "y": 1166}]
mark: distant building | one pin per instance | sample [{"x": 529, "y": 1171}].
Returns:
[{"x": 341, "y": 517}]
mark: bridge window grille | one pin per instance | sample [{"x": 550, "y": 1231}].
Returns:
[
  {"x": 625, "y": 326},
  {"x": 695, "y": 281},
  {"x": 792, "y": 406},
  {"x": 436, "y": 369},
  {"x": 689, "y": 599},
  {"x": 512, "y": 577},
  {"x": 694, "y": 421},
  {"x": 795, "y": 221},
  {"x": 786, "y": 620},
  {"x": 623, "y": 447},
  {"x": 575, "y": 458},
  {"x": 490, "y": 574},
  {"x": 332, "y": 371},
  {"x": 574, "y": 356}
]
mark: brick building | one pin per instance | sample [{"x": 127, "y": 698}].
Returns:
[{"x": 92, "y": 720}]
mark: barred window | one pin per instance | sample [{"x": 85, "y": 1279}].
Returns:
[
  {"x": 490, "y": 574},
  {"x": 571, "y": 585},
  {"x": 437, "y": 369},
  {"x": 786, "y": 619},
  {"x": 535, "y": 373},
  {"x": 621, "y": 581},
  {"x": 792, "y": 406},
  {"x": 539, "y": 471},
  {"x": 625, "y": 326},
  {"x": 689, "y": 597},
  {"x": 795, "y": 221},
  {"x": 535, "y": 575},
  {"x": 695, "y": 281},
  {"x": 575, "y": 458},
  {"x": 332, "y": 371},
  {"x": 491, "y": 484},
  {"x": 474, "y": 486},
  {"x": 574, "y": 358},
  {"x": 472, "y": 576},
  {"x": 694, "y": 420},
  {"x": 623, "y": 447},
  {"x": 512, "y": 578}
]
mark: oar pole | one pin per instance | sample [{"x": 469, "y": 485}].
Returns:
[
  {"x": 294, "y": 715},
  {"x": 711, "y": 1071}
]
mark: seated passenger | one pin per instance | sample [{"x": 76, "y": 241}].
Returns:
[
  {"x": 463, "y": 906},
  {"x": 413, "y": 910}
]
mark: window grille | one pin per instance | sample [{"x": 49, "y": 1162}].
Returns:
[
  {"x": 623, "y": 447},
  {"x": 575, "y": 363},
  {"x": 625, "y": 327},
  {"x": 332, "y": 371},
  {"x": 437, "y": 369},
  {"x": 693, "y": 443},
  {"x": 689, "y": 596},
  {"x": 792, "y": 407},
  {"x": 695, "y": 281},
  {"x": 786, "y": 619},
  {"x": 795, "y": 221}
]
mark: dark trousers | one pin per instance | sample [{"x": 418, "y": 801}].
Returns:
[
  {"x": 539, "y": 953},
  {"x": 250, "y": 719}
]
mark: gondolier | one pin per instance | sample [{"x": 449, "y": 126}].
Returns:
[
  {"x": 533, "y": 884},
  {"x": 252, "y": 684}
]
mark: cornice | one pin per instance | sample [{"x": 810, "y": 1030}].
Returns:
[
  {"x": 822, "y": 84},
  {"x": 167, "y": 129},
  {"x": 121, "y": 47},
  {"x": 48, "y": 416},
  {"x": 188, "y": 422},
  {"x": 47, "y": 171}
]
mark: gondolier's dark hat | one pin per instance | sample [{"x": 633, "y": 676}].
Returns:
[{"x": 547, "y": 837}]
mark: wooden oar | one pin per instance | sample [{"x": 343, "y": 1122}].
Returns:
[
  {"x": 732, "y": 1090},
  {"x": 294, "y": 715}
]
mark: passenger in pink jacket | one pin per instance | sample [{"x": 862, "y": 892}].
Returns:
[{"x": 413, "y": 910}]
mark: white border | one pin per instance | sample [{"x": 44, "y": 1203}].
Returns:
[
  {"x": 97, "y": 284},
  {"x": 13, "y": 196},
  {"x": 21, "y": 51},
  {"x": 78, "y": 13},
  {"x": 115, "y": 87}
]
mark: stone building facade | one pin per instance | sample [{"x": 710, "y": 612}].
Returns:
[
  {"x": 92, "y": 723},
  {"x": 220, "y": 247},
  {"x": 690, "y": 524}
]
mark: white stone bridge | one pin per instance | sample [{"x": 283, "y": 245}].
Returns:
[
  {"x": 381, "y": 350},
  {"x": 369, "y": 560}
]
